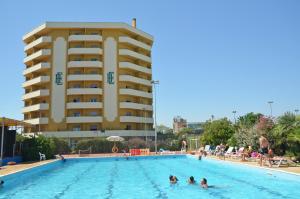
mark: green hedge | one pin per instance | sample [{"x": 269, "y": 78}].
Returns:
[
  {"x": 48, "y": 146},
  {"x": 98, "y": 145}
]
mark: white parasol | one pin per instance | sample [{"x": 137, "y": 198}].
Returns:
[{"x": 115, "y": 139}]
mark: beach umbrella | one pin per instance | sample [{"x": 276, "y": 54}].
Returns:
[{"x": 115, "y": 139}]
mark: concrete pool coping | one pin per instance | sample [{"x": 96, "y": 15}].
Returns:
[
  {"x": 296, "y": 170},
  {"x": 7, "y": 170}
]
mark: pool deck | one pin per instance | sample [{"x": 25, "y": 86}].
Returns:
[
  {"x": 5, "y": 170},
  {"x": 290, "y": 169}
]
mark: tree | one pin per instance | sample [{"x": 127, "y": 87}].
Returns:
[
  {"x": 217, "y": 132},
  {"x": 286, "y": 127}
]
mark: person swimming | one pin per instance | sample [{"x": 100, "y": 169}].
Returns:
[
  {"x": 173, "y": 179},
  {"x": 62, "y": 157},
  {"x": 203, "y": 183},
  {"x": 191, "y": 180},
  {"x": 1, "y": 183}
]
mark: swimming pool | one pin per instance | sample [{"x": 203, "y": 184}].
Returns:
[{"x": 147, "y": 177}]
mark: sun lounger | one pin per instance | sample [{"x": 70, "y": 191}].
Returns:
[
  {"x": 229, "y": 152},
  {"x": 239, "y": 153},
  {"x": 164, "y": 152}
]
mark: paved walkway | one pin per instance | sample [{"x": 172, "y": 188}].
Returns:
[{"x": 256, "y": 164}]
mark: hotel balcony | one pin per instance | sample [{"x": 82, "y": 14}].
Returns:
[
  {"x": 88, "y": 64},
  {"x": 137, "y": 80},
  {"x": 37, "y": 55},
  {"x": 131, "y": 105},
  {"x": 37, "y": 80},
  {"x": 84, "y": 105},
  {"x": 85, "y": 51},
  {"x": 133, "y": 92},
  {"x": 84, "y": 91},
  {"x": 135, "y": 119},
  {"x": 84, "y": 119},
  {"x": 35, "y": 107},
  {"x": 84, "y": 77},
  {"x": 128, "y": 40},
  {"x": 36, "y": 68},
  {"x": 38, "y": 42},
  {"x": 97, "y": 38},
  {"x": 135, "y": 55},
  {"x": 37, "y": 93},
  {"x": 34, "y": 121},
  {"x": 129, "y": 65}
]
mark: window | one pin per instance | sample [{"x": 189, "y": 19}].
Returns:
[
  {"x": 93, "y": 72},
  {"x": 128, "y": 113},
  {"x": 94, "y": 46},
  {"x": 93, "y": 113},
  {"x": 76, "y": 114},
  {"x": 128, "y": 127},
  {"x": 76, "y": 100},
  {"x": 93, "y": 100},
  {"x": 76, "y": 128},
  {"x": 93, "y": 86},
  {"x": 76, "y": 86},
  {"x": 77, "y": 46},
  {"x": 93, "y": 128},
  {"x": 94, "y": 59},
  {"x": 77, "y": 72},
  {"x": 77, "y": 59},
  {"x": 94, "y": 33}
]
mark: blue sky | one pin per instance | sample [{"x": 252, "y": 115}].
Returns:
[{"x": 211, "y": 57}]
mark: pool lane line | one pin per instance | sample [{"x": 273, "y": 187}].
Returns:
[
  {"x": 76, "y": 179},
  {"x": 113, "y": 174},
  {"x": 161, "y": 193}
]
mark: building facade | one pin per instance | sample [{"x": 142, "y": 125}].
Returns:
[
  {"x": 178, "y": 124},
  {"x": 88, "y": 80}
]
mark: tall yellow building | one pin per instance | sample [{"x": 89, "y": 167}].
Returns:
[{"x": 88, "y": 79}]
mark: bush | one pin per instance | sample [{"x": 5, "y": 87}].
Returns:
[
  {"x": 60, "y": 146},
  {"x": 32, "y": 146},
  {"x": 98, "y": 145},
  {"x": 137, "y": 143}
]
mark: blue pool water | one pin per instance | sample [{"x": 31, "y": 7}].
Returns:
[{"x": 143, "y": 178}]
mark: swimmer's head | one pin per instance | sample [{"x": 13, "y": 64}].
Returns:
[
  {"x": 192, "y": 179},
  {"x": 204, "y": 181}
]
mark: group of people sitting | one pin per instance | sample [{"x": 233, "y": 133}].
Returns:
[
  {"x": 191, "y": 180},
  {"x": 264, "y": 152}
]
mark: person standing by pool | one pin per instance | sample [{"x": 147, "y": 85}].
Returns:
[{"x": 264, "y": 146}]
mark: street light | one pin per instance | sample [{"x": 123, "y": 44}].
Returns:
[
  {"x": 155, "y": 82},
  {"x": 234, "y": 112},
  {"x": 270, "y": 103}
]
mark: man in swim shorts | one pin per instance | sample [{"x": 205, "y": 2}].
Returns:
[{"x": 264, "y": 147}]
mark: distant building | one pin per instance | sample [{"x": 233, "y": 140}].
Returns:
[
  {"x": 178, "y": 124},
  {"x": 197, "y": 127}
]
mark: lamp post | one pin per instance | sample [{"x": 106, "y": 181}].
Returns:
[
  {"x": 155, "y": 82},
  {"x": 270, "y": 103},
  {"x": 234, "y": 112}
]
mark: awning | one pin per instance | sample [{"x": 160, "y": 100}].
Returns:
[{"x": 12, "y": 122}]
